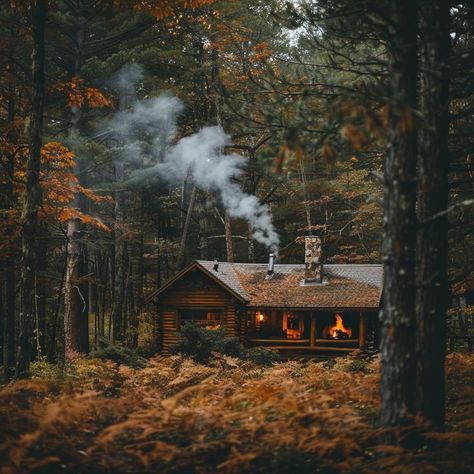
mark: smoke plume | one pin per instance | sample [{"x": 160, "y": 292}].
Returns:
[{"x": 147, "y": 132}]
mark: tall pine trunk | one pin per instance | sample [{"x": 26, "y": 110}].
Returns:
[
  {"x": 76, "y": 304},
  {"x": 432, "y": 243},
  {"x": 185, "y": 232},
  {"x": 10, "y": 276},
  {"x": 398, "y": 316},
  {"x": 119, "y": 258},
  {"x": 32, "y": 197}
]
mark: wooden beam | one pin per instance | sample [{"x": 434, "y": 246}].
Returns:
[
  {"x": 312, "y": 332},
  {"x": 362, "y": 330}
]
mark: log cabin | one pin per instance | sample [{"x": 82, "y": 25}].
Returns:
[{"x": 294, "y": 309}]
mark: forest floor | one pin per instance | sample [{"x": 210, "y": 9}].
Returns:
[{"x": 177, "y": 416}]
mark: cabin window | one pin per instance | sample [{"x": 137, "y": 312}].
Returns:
[{"x": 201, "y": 317}]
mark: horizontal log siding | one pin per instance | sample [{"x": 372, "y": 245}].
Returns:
[
  {"x": 230, "y": 321},
  {"x": 242, "y": 326},
  {"x": 169, "y": 335},
  {"x": 180, "y": 297},
  {"x": 196, "y": 298}
]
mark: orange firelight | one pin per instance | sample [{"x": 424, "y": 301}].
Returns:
[
  {"x": 260, "y": 317},
  {"x": 334, "y": 332}
]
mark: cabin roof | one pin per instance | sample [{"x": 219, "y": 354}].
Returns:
[{"x": 343, "y": 286}]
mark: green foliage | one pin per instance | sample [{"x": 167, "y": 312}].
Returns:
[
  {"x": 259, "y": 355},
  {"x": 42, "y": 369},
  {"x": 200, "y": 344},
  {"x": 117, "y": 352}
]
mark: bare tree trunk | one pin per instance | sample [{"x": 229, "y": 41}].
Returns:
[
  {"x": 10, "y": 319},
  {"x": 2, "y": 326},
  {"x": 41, "y": 291},
  {"x": 76, "y": 307},
  {"x": 187, "y": 222},
  {"x": 29, "y": 217},
  {"x": 75, "y": 303},
  {"x": 119, "y": 258},
  {"x": 10, "y": 277},
  {"x": 251, "y": 245},
  {"x": 398, "y": 316},
  {"x": 228, "y": 238},
  {"x": 432, "y": 244},
  {"x": 54, "y": 325}
]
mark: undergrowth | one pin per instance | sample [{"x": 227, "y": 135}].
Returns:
[
  {"x": 175, "y": 415},
  {"x": 201, "y": 344}
]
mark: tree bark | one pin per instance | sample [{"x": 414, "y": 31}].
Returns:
[
  {"x": 432, "y": 242},
  {"x": 76, "y": 301},
  {"x": 398, "y": 316},
  {"x": 32, "y": 201},
  {"x": 10, "y": 276},
  {"x": 187, "y": 222},
  {"x": 228, "y": 238},
  {"x": 119, "y": 258}
]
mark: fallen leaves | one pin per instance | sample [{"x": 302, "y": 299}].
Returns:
[{"x": 175, "y": 415}]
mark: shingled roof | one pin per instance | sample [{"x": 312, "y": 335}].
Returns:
[{"x": 343, "y": 287}]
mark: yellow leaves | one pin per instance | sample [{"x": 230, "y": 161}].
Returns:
[{"x": 79, "y": 94}]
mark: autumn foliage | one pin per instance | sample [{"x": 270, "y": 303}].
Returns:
[
  {"x": 58, "y": 184},
  {"x": 175, "y": 415}
]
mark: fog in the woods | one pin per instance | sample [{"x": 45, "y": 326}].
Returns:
[{"x": 147, "y": 131}]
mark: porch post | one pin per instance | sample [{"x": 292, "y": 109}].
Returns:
[
  {"x": 362, "y": 330},
  {"x": 312, "y": 331}
]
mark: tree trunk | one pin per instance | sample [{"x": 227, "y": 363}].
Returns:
[
  {"x": 228, "y": 238},
  {"x": 187, "y": 222},
  {"x": 398, "y": 315},
  {"x": 54, "y": 325},
  {"x": 32, "y": 201},
  {"x": 76, "y": 303},
  {"x": 119, "y": 258},
  {"x": 41, "y": 290},
  {"x": 250, "y": 245},
  {"x": 2, "y": 327},
  {"x": 10, "y": 264},
  {"x": 432, "y": 243},
  {"x": 10, "y": 319}
]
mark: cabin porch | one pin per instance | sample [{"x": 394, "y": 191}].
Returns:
[{"x": 300, "y": 331}]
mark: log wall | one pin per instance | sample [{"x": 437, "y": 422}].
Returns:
[{"x": 195, "y": 292}]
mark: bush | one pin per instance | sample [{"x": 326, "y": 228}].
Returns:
[
  {"x": 200, "y": 343},
  {"x": 40, "y": 369},
  {"x": 117, "y": 352},
  {"x": 260, "y": 356}
]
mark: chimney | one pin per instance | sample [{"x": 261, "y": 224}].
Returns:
[
  {"x": 271, "y": 264},
  {"x": 313, "y": 272},
  {"x": 216, "y": 265}
]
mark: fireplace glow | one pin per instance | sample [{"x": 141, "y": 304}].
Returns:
[
  {"x": 260, "y": 317},
  {"x": 338, "y": 331}
]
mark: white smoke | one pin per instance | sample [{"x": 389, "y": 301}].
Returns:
[{"x": 148, "y": 130}]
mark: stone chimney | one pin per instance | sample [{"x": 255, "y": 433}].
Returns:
[{"x": 313, "y": 272}]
